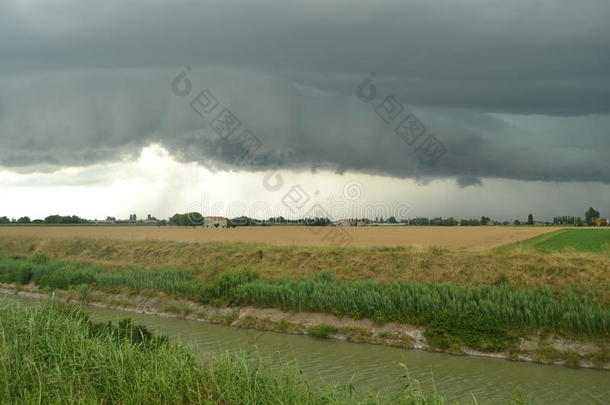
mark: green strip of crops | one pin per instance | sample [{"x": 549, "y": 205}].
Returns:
[
  {"x": 419, "y": 303},
  {"x": 54, "y": 354},
  {"x": 582, "y": 240}
]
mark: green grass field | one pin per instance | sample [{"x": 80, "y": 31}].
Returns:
[{"x": 581, "y": 240}]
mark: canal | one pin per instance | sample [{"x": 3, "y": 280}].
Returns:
[{"x": 376, "y": 368}]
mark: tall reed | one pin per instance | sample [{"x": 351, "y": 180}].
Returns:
[
  {"x": 54, "y": 355},
  {"x": 404, "y": 301}
]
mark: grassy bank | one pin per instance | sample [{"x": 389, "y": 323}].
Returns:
[
  {"x": 523, "y": 267},
  {"x": 54, "y": 354},
  {"x": 485, "y": 318}
]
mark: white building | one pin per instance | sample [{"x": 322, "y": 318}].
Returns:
[
  {"x": 344, "y": 222},
  {"x": 215, "y": 222}
]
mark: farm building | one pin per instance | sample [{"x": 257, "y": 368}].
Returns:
[
  {"x": 350, "y": 222},
  {"x": 215, "y": 222},
  {"x": 344, "y": 222}
]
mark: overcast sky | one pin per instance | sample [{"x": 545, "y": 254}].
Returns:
[{"x": 109, "y": 108}]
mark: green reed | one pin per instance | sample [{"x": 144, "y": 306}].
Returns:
[
  {"x": 54, "y": 354},
  {"x": 404, "y": 301}
]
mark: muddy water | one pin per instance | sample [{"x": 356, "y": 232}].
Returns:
[{"x": 376, "y": 368}]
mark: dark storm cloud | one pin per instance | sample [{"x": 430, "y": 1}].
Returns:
[{"x": 513, "y": 90}]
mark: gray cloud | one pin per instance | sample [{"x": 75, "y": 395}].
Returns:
[
  {"x": 513, "y": 91},
  {"x": 467, "y": 181}
]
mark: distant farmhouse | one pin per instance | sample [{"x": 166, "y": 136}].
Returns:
[
  {"x": 215, "y": 222},
  {"x": 350, "y": 222}
]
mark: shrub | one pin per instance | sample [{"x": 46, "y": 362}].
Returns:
[
  {"x": 15, "y": 271},
  {"x": 40, "y": 259},
  {"x": 62, "y": 276},
  {"x": 224, "y": 288},
  {"x": 479, "y": 331}
]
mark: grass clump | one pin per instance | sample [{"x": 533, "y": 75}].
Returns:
[
  {"x": 125, "y": 330},
  {"x": 322, "y": 331},
  {"x": 15, "y": 271},
  {"x": 224, "y": 288},
  {"x": 452, "y": 331}
]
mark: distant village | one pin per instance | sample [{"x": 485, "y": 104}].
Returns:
[{"x": 592, "y": 217}]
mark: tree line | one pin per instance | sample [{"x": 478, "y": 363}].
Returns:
[
  {"x": 67, "y": 220},
  {"x": 51, "y": 219},
  {"x": 592, "y": 217}
]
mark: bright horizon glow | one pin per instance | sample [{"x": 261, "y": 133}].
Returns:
[{"x": 155, "y": 183}]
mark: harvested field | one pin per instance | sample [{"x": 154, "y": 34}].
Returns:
[
  {"x": 521, "y": 267},
  {"x": 455, "y": 238}
]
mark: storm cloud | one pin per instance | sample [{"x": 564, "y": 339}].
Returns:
[{"x": 516, "y": 91}]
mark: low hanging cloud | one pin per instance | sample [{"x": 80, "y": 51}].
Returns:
[
  {"x": 467, "y": 181},
  {"x": 517, "y": 92}
]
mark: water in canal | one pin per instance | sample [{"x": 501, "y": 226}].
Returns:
[{"x": 376, "y": 368}]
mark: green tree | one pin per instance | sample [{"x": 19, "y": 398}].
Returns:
[
  {"x": 530, "y": 219},
  {"x": 242, "y": 221},
  {"x": 188, "y": 219},
  {"x": 59, "y": 219},
  {"x": 591, "y": 215},
  {"x": 24, "y": 220},
  {"x": 470, "y": 222}
]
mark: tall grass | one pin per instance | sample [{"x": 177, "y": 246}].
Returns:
[
  {"x": 404, "y": 301},
  {"x": 55, "y": 355},
  {"x": 421, "y": 302},
  {"x": 61, "y": 275}
]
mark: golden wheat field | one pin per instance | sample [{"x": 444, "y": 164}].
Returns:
[{"x": 458, "y": 238}]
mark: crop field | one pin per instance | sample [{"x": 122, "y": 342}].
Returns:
[
  {"x": 580, "y": 240},
  {"x": 455, "y": 238},
  {"x": 521, "y": 266}
]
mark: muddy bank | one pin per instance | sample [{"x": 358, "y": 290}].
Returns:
[{"x": 543, "y": 348}]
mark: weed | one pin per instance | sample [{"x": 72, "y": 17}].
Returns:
[
  {"x": 450, "y": 331},
  {"x": 322, "y": 331}
]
